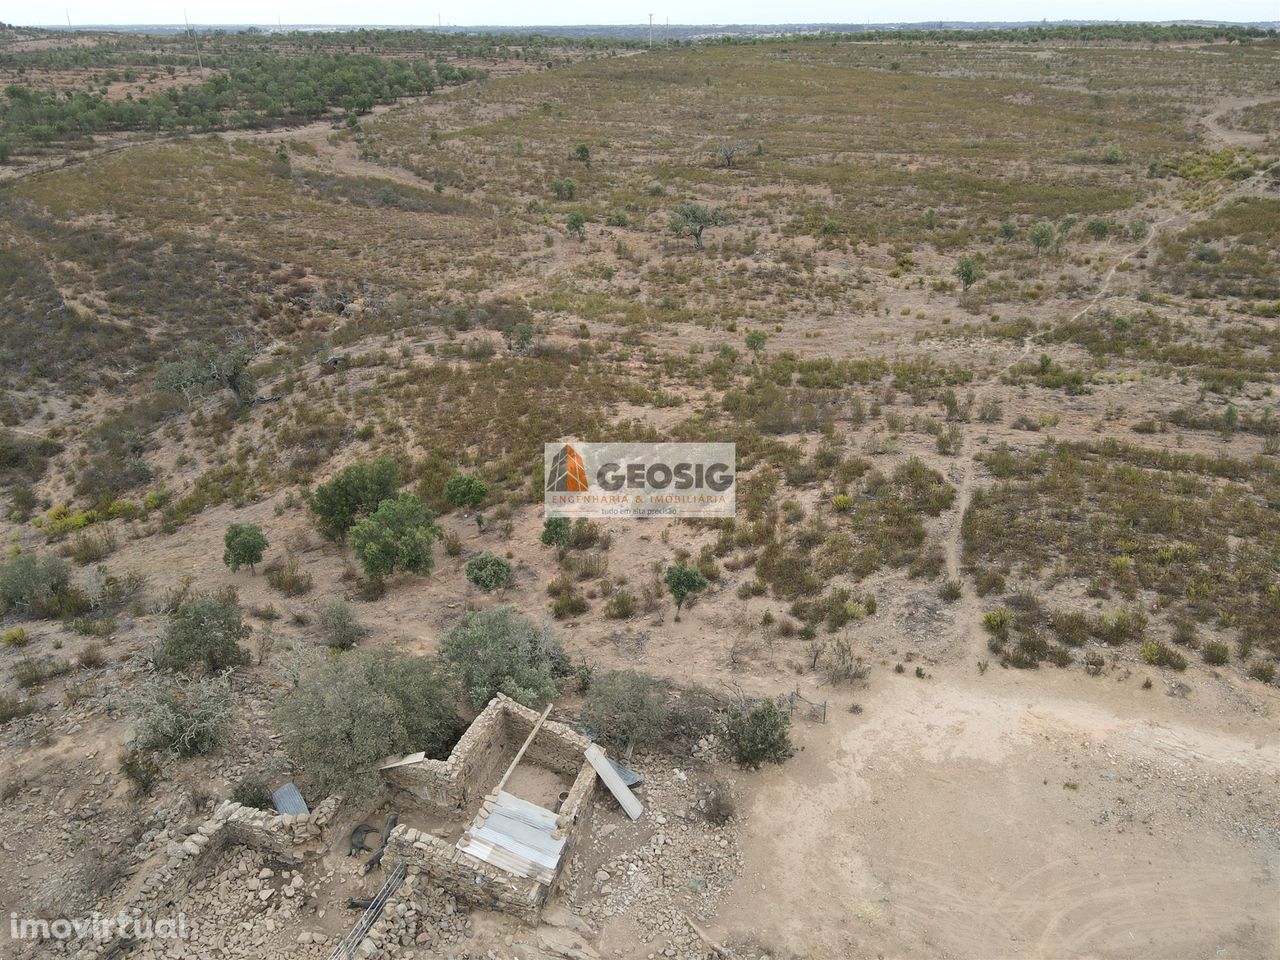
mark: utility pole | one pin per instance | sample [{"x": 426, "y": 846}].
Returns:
[
  {"x": 199, "y": 59},
  {"x": 651, "y": 31}
]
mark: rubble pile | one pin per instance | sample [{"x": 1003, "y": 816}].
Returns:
[{"x": 670, "y": 866}]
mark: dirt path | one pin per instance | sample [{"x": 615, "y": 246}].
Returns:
[
  {"x": 1229, "y": 136},
  {"x": 315, "y": 132},
  {"x": 968, "y": 610},
  {"x": 1008, "y": 814}
]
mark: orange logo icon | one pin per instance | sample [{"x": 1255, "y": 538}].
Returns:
[{"x": 567, "y": 473}]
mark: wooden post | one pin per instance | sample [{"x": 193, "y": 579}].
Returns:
[{"x": 523, "y": 747}]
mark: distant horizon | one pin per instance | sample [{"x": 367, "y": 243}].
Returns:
[
  {"x": 509, "y": 14},
  {"x": 931, "y": 23}
]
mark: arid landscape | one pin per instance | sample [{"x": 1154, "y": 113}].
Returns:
[{"x": 985, "y": 665}]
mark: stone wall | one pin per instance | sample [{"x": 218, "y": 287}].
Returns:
[
  {"x": 471, "y": 771},
  {"x": 472, "y": 881},
  {"x": 282, "y": 836},
  {"x": 461, "y": 782},
  {"x": 557, "y": 746}
]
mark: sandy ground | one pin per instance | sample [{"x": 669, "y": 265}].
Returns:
[
  {"x": 1012, "y": 815},
  {"x": 964, "y": 814}
]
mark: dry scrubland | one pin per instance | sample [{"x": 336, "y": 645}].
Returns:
[{"x": 1010, "y": 466}]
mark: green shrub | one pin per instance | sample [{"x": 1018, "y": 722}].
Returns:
[
  {"x": 396, "y": 536},
  {"x": 1216, "y": 653},
  {"x": 488, "y": 572},
  {"x": 337, "y": 625},
  {"x": 584, "y": 534},
  {"x": 91, "y": 657},
  {"x": 719, "y": 806},
  {"x": 621, "y": 605},
  {"x": 32, "y": 671},
  {"x": 94, "y": 546},
  {"x": 624, "y": 709},
  {"x": 555, "y": 532},
  {"x": 252, "y": 792},
  {"x": 842, "y": 665},
  {"x": 204, "y": 631},
  {"x": 38, "y": 586},
  {"x": 1263, "y": 672},
  {"x": 466, "y": 492},
  {"x": 500, "y": 651},
  {"x": 245, "y": 544},
  {"x": 140, "y": 769},
  {"x": 189, "y": 718},
  {"x": 1122, "y": 625},
  {"x": 346, "y": 716},
  {"x": 988, "y": 581},
  {"x": 996, "y": 622},
  {"x": 950, "y": 590},
  {"x": 1159, "y": 655},
  {"x": 354, "y": 492},
  {"x": 1072, "y": 628},
  {"x": 568, "y": 602},
  {"x": 15, "y": 637},
  {"x": 14, "y": 708},
  {"x": 758, "y": 733},
  {"x": 285, "y": 576}
]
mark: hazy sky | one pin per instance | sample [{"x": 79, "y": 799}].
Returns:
[{"x": 576, "y": 11}]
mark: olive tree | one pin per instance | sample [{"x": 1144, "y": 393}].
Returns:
[
  {"x": 396, "y": 536},
  {"x": 555, "y": 532},
  {"x": 684, "y": 581},
  {"x": 758, "y": 733},
  {"x": 500, "y": 651},
  {"x": 344, "y": 718},
  {"x": 186, "y": 717},
  {"x": 467, "y": 493},
  {"x": 691, "y": 219},
  {"x": 200, "y": 365},
  {"x": 352, "y": 493},
  {"x": 625, "y": 709},
  {"x": 1042, "y": 235},
  {"x": 727, "y": 151},
  {"x": 245, "y": 543},
  {"x": 488, "y": 571}
]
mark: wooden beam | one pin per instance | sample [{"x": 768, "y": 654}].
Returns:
[{"x": 523, "y": 747}]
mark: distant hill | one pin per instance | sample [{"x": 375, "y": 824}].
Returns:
[{"x": 674, "y": 31}]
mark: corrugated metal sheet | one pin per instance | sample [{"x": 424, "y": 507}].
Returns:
[
  {"x": 287, "y": 799},
  {"x": 516, "y": 836},
  {"x": 628, "y": 776},
  {"x": 632, "y": 806}
]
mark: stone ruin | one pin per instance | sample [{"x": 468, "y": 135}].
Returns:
[
  {"x": 439, "y": 799},
  {"x": 552, "y": 774}
]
